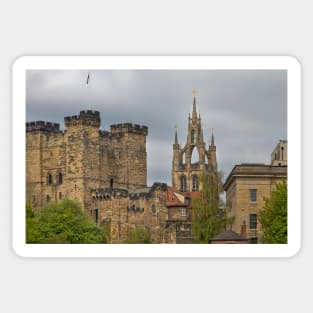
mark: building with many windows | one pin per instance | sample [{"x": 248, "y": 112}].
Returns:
[{"x": 246, "y": 187}]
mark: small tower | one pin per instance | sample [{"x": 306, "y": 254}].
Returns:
[
  {"x": 212, "y": 153},
  {"x": 192, "y": 160},
  {"x": 176, "y": 155},
  {"x": 279, "y": 154}
]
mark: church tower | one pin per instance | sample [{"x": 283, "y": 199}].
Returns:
[{"x": 192, "y": 160}]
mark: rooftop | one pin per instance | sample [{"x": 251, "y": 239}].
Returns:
[
  {"x": 255, "y": 170},
  {"x": 227, "y": 235}
]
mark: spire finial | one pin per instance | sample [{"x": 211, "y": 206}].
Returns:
[
  {"x": 194, "y": 108},
  {"x": 176, "y": 139},
  {"x": 212, "y": 137}
]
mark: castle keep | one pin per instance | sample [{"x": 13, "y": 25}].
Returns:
[
  {"x": 106, "y": 171},
  {"x": 69, "y": 163}
]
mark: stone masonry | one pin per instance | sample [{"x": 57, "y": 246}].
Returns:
[{"x": 69, "y": 163}]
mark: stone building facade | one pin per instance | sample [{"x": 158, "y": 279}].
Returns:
[
  {"x": 106, "y": 171},
  {"x": 246, "y": 186},
  {"x": 69, "y": 163},
  {"x": 193, "y": 159}
]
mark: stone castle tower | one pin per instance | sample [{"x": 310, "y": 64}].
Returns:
[
  {"x": 72, "y": 162},
  {"x": 192, "y": 160}
]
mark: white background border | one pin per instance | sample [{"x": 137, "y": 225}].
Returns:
[{"x": 151, "y": 62}]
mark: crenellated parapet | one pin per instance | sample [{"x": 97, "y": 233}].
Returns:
[
  {"x": 86, "y": 118},
  {"x": 129, "y": 128},
  {"x": 108, "y": 193},
  {"x": 42, "y": 126}
]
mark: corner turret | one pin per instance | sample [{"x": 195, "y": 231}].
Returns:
[
  {"x": 129, "y": 128},
  {"x": 85, "y": 118},
  {"x": 42, "y": 126}
]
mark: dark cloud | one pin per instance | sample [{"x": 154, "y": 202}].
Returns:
[{"x": 247, "y": 108}]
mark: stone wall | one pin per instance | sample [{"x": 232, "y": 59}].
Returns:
[
  {"x": 84, "y": 157},
  {"x": 263, "y": 179}
]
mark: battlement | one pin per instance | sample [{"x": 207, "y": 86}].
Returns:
[
  {"x": 42, "y": 126},
  {"x": 87, "y": 118},
  {"x": 108, "y": 193},
  {"x": 129, "y": 128}
]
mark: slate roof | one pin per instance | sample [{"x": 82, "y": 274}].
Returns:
[{"x": 227, "y": 235}]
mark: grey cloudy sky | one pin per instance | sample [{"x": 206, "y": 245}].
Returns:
[{"x": 247, "y": 108}]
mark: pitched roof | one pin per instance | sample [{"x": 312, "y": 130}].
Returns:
[
  {"x": 227, "y": 235},
  {"x": 172, "y": 199}
]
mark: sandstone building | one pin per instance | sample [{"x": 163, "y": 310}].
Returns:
[
  {"x": 247, "y": 185},
  {"x": 193, "y": 159},
  {"x": 69, "y": 163},
  {"x": 106, "y": 171}
]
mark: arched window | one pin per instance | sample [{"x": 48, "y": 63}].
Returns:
[
  {"x": 195, "y": 183},
  {"x": 59, "y": 179},
  {"x": 183, "y": 183},
  {"x": 49, "y": 179},
  {"x": 195, "y": 156},
  {"x": 183, "y": 158}
]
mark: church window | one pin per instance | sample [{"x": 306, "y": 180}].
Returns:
[
  {"x": 183, "y": 158},
  {"x": 183, "y": 183},
  {"x": 195, "y": 156},
  {"x": 49, "y": 179},
  {"x": 60, "y": 195},
  {"x": 195, "y": 183},
  {"x": 111, "y": 183},
  {"x": 253, "y": 195}
]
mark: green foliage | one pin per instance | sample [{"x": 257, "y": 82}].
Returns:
[
  {"x": 273, "y": 217},
  {"x": 207, "y": 217},
  {"x": 62, "y": 222},
  {"x": 32, "y": 229},
  {"x": 138, "y": 235}
]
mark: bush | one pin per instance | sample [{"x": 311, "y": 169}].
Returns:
[{"x": 62, "y": 222}]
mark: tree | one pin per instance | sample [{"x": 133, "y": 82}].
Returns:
[
  {"x": 273, "y": 217},
  {"x": 138, "y": 235},
  {"x": 63, "y": 222},
  {"x": 207, "y": 216},
  {"x": 32, "y": 229}
]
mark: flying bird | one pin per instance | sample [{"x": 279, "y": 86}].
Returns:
[{"x": 88, "y": 78}]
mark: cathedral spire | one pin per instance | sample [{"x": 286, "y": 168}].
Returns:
[
  {"x": 176, "y": 139},
  {"x": 212, "y": 137},
  {"x": 194, "y": 107}
]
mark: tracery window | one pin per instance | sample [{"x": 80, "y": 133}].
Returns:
[
  {"x": 195, "y": 183},
  {"x": 183, "y": 183}
]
